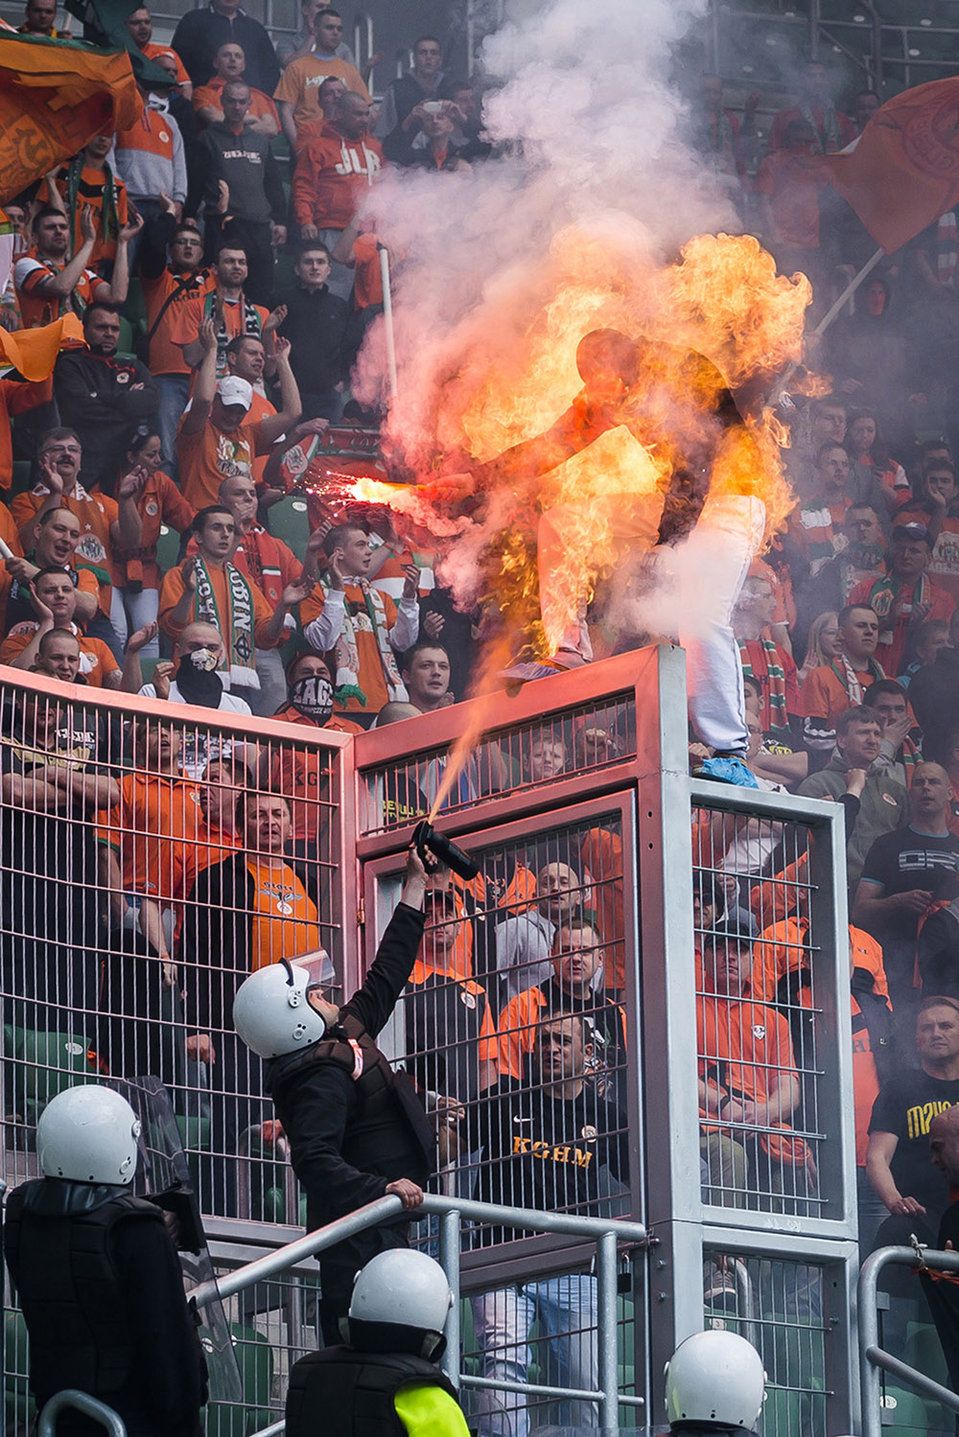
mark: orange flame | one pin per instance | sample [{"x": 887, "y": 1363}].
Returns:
[{"x": 514, "y": 373}]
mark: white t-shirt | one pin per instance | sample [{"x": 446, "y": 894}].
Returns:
[{"x": 229, "y": 703}]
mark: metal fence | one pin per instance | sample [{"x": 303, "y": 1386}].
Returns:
[
  {"x": 758, "y": 1013},
  {"x": 150, "y": 857},
  {"x": 910, "y": 1387},
  {"x": 573, "y": 1032},
  {"x": 682, "y": 939}
]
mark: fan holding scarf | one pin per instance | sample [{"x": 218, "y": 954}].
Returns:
[
  {"x": 207, "y": 588},
  {"x": 362, "y": 628},
  {"x": 904, "y": 596}
]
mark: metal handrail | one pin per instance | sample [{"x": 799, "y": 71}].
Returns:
[
  {"x": 872, "y": 1357},
  {"x": 605, "y": 1233},
  {"x": 80, "y": 1402}
]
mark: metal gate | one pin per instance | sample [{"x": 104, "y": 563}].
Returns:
[{"x": 597, "y": 855}]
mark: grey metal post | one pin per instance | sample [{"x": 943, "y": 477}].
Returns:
[
  {"x": 667, "y": 1009},
  {"x": 869, "y": 1379},
  {"x": 450, "y": 1260},
  {"x": 607, "y": 1339},
  {"x": 3, "y": 1383},
  {"x": 871, "y": 1356},
  {"x": 80, "y": 1402}
]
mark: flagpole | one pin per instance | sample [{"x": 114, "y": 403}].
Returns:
[
  {"x": 848, "y": 292},
  {"x": 388, "y": 319},
  {"x": 779, "y": 388}
]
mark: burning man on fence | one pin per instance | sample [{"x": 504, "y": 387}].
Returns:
[{"x": 704, "y": 533}]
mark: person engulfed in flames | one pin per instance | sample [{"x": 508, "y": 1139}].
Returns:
[{"x": 677, "y": 405}]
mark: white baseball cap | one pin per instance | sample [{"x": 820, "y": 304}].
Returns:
[{"x": 234, "y": 390}]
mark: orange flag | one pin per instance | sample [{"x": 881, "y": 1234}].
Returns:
[
  {"x": 55, "y": 95},
  {"x": 904, "y": 172},
  {"x": 33, "y": 352}
]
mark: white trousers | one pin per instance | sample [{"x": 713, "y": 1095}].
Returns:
[{"x": 701, "y": 579}]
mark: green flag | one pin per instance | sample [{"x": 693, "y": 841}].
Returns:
[{"x": 104, "y": 24}]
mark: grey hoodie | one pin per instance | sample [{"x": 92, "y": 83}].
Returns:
[{"x": 883, "y": 807}]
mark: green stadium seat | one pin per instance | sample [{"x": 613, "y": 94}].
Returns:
[
  {"x": 905, "y": 1412},
  {"x": 168, "y": 548},
  {"x": 254, "y": 1356},
  {"x": 783, "y": 1414},
  {"x": 22, "y": 469},
  {"x": 46, "y": 1064},
  {"x": 924, "y": 1351},
  {"x": 125, "y": 343},
  {"x": 18, "y": 1404},
  {"x": 470, "y": 1355},
  {"x": 135, "y": 308},
  {"x": 288, "y": 521}
]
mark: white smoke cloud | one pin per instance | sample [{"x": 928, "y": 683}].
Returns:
[{"x": 595, "y": 130}]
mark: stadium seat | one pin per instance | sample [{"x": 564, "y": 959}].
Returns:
[
  {"x": 22, "y": 469},
  {"x": 254, "y": 1356},
  {"x": 135, "y": 308},
  {"x": 288, "y": 521},
  {"x": 924, "y": 1351},
  {"x": 625, "y": 1337},
  {"x": 195, "y": 1137},
  {"x": 46, "y": 1063},
  {"x": 470, "y": 1355},
  {"x": 18, "y": 1404},
  {"x": 906, "y": 1412},
  {"x": 168, "y": 548},
  {"x": 125, "y": 343},
  {"x": 783, "y": 1414},
  {"x": 147, "y": 667}
]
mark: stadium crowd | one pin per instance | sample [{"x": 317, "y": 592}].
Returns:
[{"x": 170, "y": 517}]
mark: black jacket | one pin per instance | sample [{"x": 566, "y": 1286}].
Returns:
[
  {"x": 215, "y": 940},
  {"x": 938, "y": 946},
  {"x": 934, "y": 695},
  {"x": 315, "y": 325},
  {"x": 200, "y": 34},
  {"x": 96, "y": 396},
  {"x": 102, "y": 1294},
  {"x": 322, "y": 1110},
  {"x": 407, "y": 94},
  {"x": 347, "y": 1393},
  {"x": 247, "y": 164}
]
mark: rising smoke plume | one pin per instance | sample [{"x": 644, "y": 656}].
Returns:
[
  {"x": 500, "y": 271},
  {"x": 594, "y": 129}
]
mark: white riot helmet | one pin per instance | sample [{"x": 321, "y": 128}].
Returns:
[
  {"x": 715, "y": 1379},
  {"x": 271, "y": 1012},
  {"x": 88, "y": 1134},
  {"x": 403, "y": 1289}
]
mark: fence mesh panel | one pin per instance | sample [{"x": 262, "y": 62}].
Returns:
[
  {"x": 758, "y": 1013},
  {"x": 566, "y": 744},
  {"x": 778, "y": 1305},
  {"x": 147, "y": 865}
]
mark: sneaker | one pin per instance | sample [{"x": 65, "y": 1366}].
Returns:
[
  {"x": 721, "y": 1297},
  {"x": 727, "y": 769},
  {"x": 525, "y": 672}
]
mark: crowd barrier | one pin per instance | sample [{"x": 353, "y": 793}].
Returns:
[{"x": 575, "y": 969}]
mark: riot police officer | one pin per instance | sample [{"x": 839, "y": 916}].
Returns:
[
  {"x": 356, "y": 1129},
  {"x": 715, "y": 1386},
  {"x": 383, "y": 1382},
  {"x": 98, "y": 1277}
]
